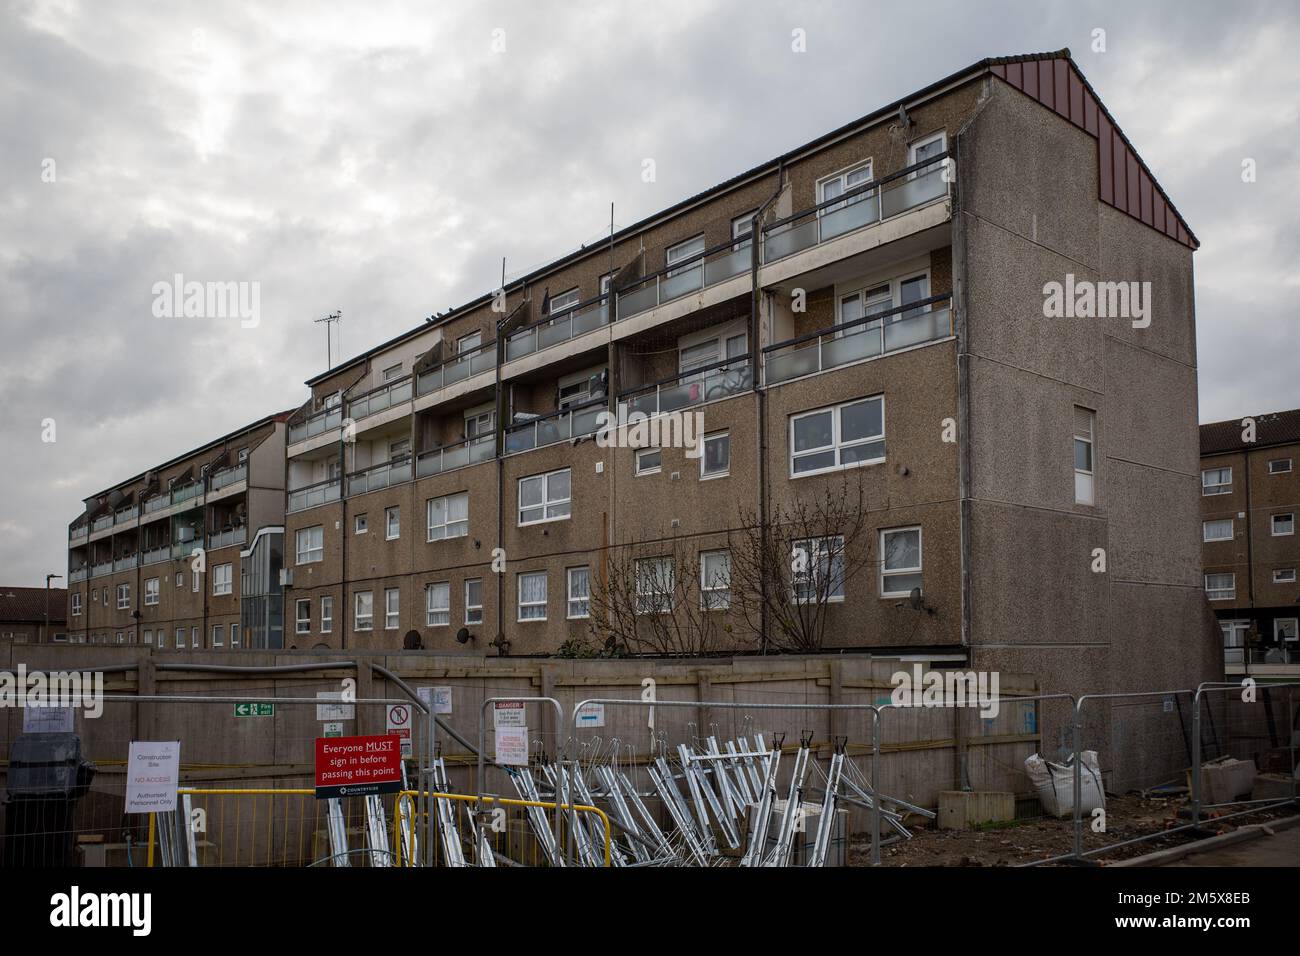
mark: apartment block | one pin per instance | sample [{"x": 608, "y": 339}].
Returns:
[
  {"x": 33, "y": 615},
  {"x": 187, "y": 554},
  {"x": 867, "y": 311},
  {"x": 1250, "y": 496}
]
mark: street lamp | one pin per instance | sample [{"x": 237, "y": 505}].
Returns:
[{"x": 48, "y": 578}]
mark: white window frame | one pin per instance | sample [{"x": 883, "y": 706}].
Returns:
[
  {"x": 720, "y": 338},
  {"x": 583, "y": 601},
  {"x": 836, "y": 444},
  {"x": 471, "y": 608},
  {"x": 693, "y": 246},
  {"x": 715, "y": 596},
  {"x": 357, "y": 617},
  {"x": 361, "y": 524},
  {"x": 547, "y": 502},
  {"x": 519, "y": 589},
  {"x": 742, "y": 230},
  {"x": 641, "y": 470},
  {"x": 218, "y": 635},
  {"x": 1284, "y": 575},
  {"x": 1205, "y": 530},
  {"x": 431, "y": 609},
  {"x": 146, "y": 637},
  {"x": 1218, "y": 488},
  {"x": 1085, "y": 479},
  {"x": 223, "y": 579},
  {"x": 327, "y": 614},
  {"x": 180, "y": 638},
  {"x": 1225, "y": 594},
  {"x": 301, "y": 620},
  {"x": 705, "y": 474},
  {"x": 867, "y": 301},
  {"x": 912, "y": 147},
  {"x": 842, "y": 177},
  {"x": 887, "y": 573},
  {"x": 655, "y": 600},
  {"x": 195, "y": 584},
  {"x": 463, "y": 344},
  {"x": 567, "y": 299},
  {"x": 76, "y": 603},
  {"x": 391, "y": 373},
  {"x": 124, "y": 597},
  {"x": 392, "y": 522},
  {"x": 447, "y": 524},
  {"x": 1279, "y": 471},
  {"x": 152, "y": 591},
  {"x": 566, "y": 395},
  {"x": 1289, "y": 516},
  {"x": 234, "y": 636},
  {"x": 315, "y": 551},
  {"x": 1277, "y": 629},
  {"x": 180, "y": 579},
  {"x": 392, "y": 615},
  {"x": 194, "y": 636},
  {"x": 814, "y": 548}
]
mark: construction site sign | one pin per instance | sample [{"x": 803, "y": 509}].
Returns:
[
  {"x": 357, "y": 766},
  {"x": 437, "y": 699},
  {"x": 153, "y": 770},
  {"x": 591, "y": 715},
  {"x": 508, "y": 713},
  {"x": 512, "y": 746},
  {"x": 398, "y": 721},
  {"x": 259, "y": 708}
]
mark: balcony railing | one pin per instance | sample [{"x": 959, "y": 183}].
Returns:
[
  {"x": 316, "y": 424},
  {"x": 1256, "y": 654},
  {"x": 471, "y": 452},
  {"x": 183, "y": 549},
  {"x": 457, "y": 369},
  {"x": 228, "y": 476},
  {"x": 378, "y": 399},
  {"x": 705, "y": 384},
  {"x": 101, "y": 569},
  {"x": 127, "y": 563},
  {"x": 99, "y": 524},
  {"x": 701, "y": 270},
  {"x": 184, "y": 493},
  {"x": 79, "y": 532},
  {"x": 861, "y": 206},
  {"x": 80, "y": 574},
  {"x": 877, "y": 334},
  {"x": 157, "y": 555},
  {"x": 224, "y": 539},
  {"x": 309, "y": 496},
  {"x": 123, "y": 515},
  {"x": 392, "y": 472},
  {"x": 571, "y": 422},
  {"x": 554, "y": 329},
  {"x": 157, "y": 503}
]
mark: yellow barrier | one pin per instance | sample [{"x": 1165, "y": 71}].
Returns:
[{"x": 402, "y": 804}]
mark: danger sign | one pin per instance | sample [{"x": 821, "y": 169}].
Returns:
[
  {"x": 357, "y": 766},
  {"x": 399, "y": 723}
]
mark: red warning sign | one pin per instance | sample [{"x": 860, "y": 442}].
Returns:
[{"x": 357, "y": 766}]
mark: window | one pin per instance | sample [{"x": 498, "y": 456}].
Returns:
[
  {"x": 1084, "y": 419},
  {"x": 195, "y": 584},
  {"x": 303, "y": 618},
  {"x": 148, "y": 637},
  {"x": 222, "y": 579},
  {"x": 648, "y": 461},
  {"x": 234, "y": 635},
  {"x": 742, "y": 227},
  {"x": 532, "y": 596},
  {"x": 926, "y": 148},
  {"x": 654, "y": 585},
  {"x": 392, "y": 372},
  {"x": 1216, "y": 481},
  {"x": 243, "y": 455},
  {"x": 399, "y": 449},
  {"x": 1279, "y": 466},
  {"x": 681, "y": 252},
  {"x": 563, "y": 302},
  {"x": 579, "y": 594},
  {"x": 1286, "y": 629},
  {"x": 693, "y": 353},
  {"x": 716, "y": 460},
  {"x": 437, "y": 604},
  {"x": 218, "y": 635},
  {"x": 326, "y": 614},
  {"x": 364, "y": 618},
  {"x": 900, "y": 563},
  {"x": 151, "y": 591},
  {"x": 76, "y": 602},
  {"x": 123, "y": 596},
  {"x": 1282, "y": 525},
  {"x": 180, "y": 579},
  {"x": 544, "y": 497},
  {"x": 392, "y": 523},
  {"x": 715, "y": 580},
  {"x": 360, "y": 524},
  {"x": 94, "y": 595},
  {"x": 480, "y": 421},
  {"x": 817, "y": 569},
  {"x": 1220, "y": 587},
  {"x": 839, "y": 184},
  {"x": 467, "y": 343},
  {"x": 448, "y": 516},
  {"x": 1284, "y": 576},
  {"x": 392, "y": 608},
  {"x": 194, "y": 636},
  {"x": 581, "y": 387},
  {"x": 311, "y": 544},
  {"x": 474, "y": 601},
  {"x": 1220, "y": 529},
  {"x": 842, "y": 436},
  {"x": 119, "y": 637}
]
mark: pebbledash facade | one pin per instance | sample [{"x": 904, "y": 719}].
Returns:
[{"x": 868, "y": 306}]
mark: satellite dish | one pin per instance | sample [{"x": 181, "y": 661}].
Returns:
[{"x": 463, "y": 636}]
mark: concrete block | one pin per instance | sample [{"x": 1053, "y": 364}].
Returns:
[{"x": 962, "y": 810}]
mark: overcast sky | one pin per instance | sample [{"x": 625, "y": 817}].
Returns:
[{"x": 380, "y": 158}]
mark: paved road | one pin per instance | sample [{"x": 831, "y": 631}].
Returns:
[{"x": 1280, "y": 849}]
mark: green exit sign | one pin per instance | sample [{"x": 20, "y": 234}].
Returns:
[{"x": 255, "y": 709}]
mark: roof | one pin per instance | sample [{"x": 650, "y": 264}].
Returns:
[
  {"x": 28, "y": 604},
  {"x": 996, "y": 66},
  {"x": 1271, "y": 428}
]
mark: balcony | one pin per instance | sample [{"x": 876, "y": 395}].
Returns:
[
  {"x": 378, "y": 399},
  {"x": 878, "y": 334},
  {"x": 228, "y": 476},
  {"x": 380, "y": 476},
  {"x": 316, "y": 424},
  {"x": 78, "y": 574},
  {"x": 556, "y": 329},
  {"x": 183, "y": 549},
  {"x": 78, "y": 533},
  {"x": 863, "y": 206},
  {"x": 99, "y": 570},
  {"x": 457, "y": 369},
  {"x": 126, "y": 515},
  {"x": 695, "y": 387},
  {"x": 309, "y": 496},
  {"x": 567, "y": 423},
  {"x": 101, "y": 524},
  {"x": 157, "y": 503},
  {"x": 471, "y": 452},
  {"x": 187, "y": 492},
  {"x": 127, "y": 563},
  {"x": 225, "y": 539},
  {"x": 157, "y": 555},
  {"x": 695, "y": 274}
]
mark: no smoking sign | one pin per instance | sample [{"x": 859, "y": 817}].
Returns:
[{"x": 398, "y": 722}]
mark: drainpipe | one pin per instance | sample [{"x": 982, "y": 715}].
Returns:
[
  {"x": 755, "y": 356},
  {"x": 959, "y": 271}
]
